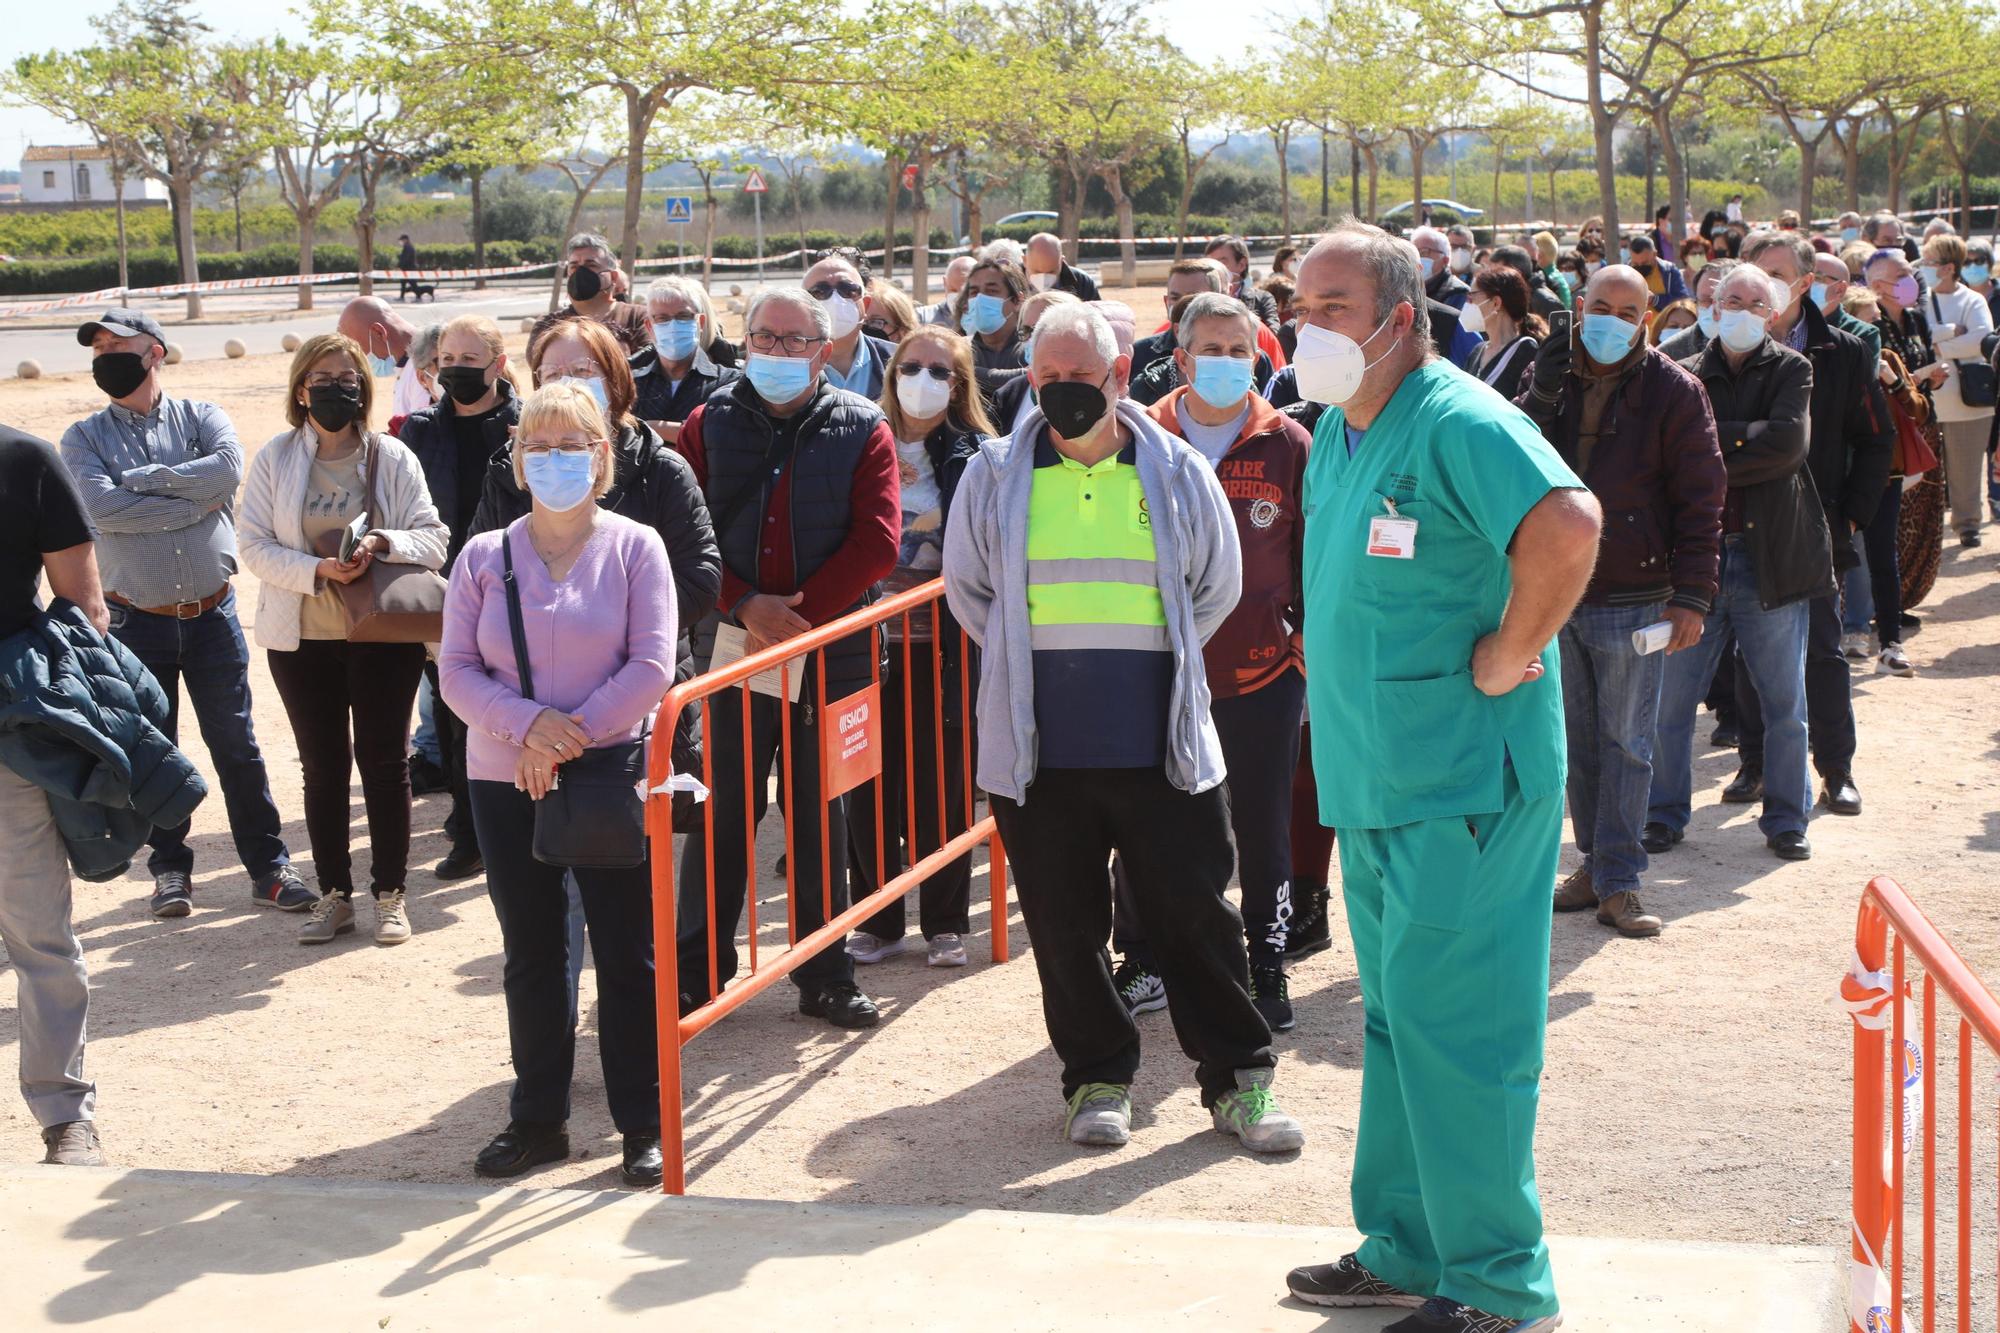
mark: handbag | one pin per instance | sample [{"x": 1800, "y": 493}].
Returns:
[
  {"x": 390, "y": 603},
  {"x": 594, "y": 816},
  {"x": 1977, "y": 383},
  {"x": 1912, "y": 454}
]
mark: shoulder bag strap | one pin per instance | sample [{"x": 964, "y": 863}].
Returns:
[
  {"x": 514, "y": 619},
  {"x": 722, "y": 517}
]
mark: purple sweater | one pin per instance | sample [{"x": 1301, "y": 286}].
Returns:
[{"x": 600, "y": 643}]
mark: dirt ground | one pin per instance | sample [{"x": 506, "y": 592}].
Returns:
[{"x": 1697, "y": 1084}]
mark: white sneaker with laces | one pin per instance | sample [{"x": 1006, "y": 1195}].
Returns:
[
  {"x": 1855, "y": 647},
  {"x": 865, "y": 948},
  {"x": 1894, "y": 661},
  {"x": 332, "y": 915},
  {"x": 392, "y": 919},
  {"x": 947, "y": 950}
]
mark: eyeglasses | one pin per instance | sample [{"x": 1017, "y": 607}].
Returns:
[
  {"x": 575, "y": 370},
  {"x": 1733, "y": 304},
  {"x": 685, "y": 317},
  {"x": 569, "y": 448},
  {"x": 319, "y": 379},
  {"x": 823, "y": 291},
  {"x": 911, "y": 369},
  {"x": 766, "y": 341}
]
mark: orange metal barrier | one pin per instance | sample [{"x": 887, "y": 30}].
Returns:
[
  {"x": 675, "y": 1031},
  {"x": 1882, "y": 1010}
]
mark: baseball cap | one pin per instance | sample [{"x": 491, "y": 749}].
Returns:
[{"x": 123, "y": 323}]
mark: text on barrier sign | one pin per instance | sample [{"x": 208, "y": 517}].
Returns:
[{"x": 854, "y": 741}]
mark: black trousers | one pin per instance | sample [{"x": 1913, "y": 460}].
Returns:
[
  {"x": 1177, "y": 845},
  {"x": 1829, "y": 702},
  {"x": 349, "y": 705},
  {"x": 944, "y": 899},
  {"x": 1260, "y": 747},
  {"x": 459, "y": 829},
  {"x": 531, "y": 902},
  {"x": 803, "y": 812}
]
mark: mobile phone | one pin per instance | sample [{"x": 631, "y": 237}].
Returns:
[
  {"x": 1559, "y": 322},
  {"x": 351, "y": 537}
]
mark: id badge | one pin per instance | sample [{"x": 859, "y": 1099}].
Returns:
[{"x": 1392, "y": 537}]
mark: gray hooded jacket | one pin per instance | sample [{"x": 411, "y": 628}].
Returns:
[{"x": 1200, "y": 571}]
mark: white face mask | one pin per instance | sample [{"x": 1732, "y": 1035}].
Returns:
[
  {"x": 922, "y": 396},
  {"x": 1740, "y": 330},
  {"x": 1329, "y": 366},
  {"x": 1471, "y": 318},
  {"x": 846, "y": 314},
  {"x": 1041, "y": 282},
  {"x": 1461, "y": 260}
]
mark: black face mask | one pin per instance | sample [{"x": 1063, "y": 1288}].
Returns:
[
  {"x": 333, "y": 407},
  {"x": 1073, "y": 407},
  {"x": 585, "y": 283},
  {"x": 118, "y": 373},
  {"x": 465, "y": 384}
]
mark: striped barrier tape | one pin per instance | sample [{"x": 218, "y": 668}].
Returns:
[{"x": 247, "y": 284}]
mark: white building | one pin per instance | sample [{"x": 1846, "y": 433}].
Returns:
[{"x": 78, "y": 174}]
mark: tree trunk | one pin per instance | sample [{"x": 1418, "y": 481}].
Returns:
[
  {"x": 893, "y": 160},
  {"x": 308, "y": 229},
  {"x": 1354, "y": 176},
  {"x": 708, "y": 233},
  {"x": 920, "y": 228},
  {"x": 1603, "y": 123},
  {"x": 1670, "y": 149},
  {"x": 639, "y": 111},
  {"x": 1850, "y": 163},
  {"x": 1121, "y": 203},
  {"x": 1419, "y": 145},
  {"x": 1374, "y": 175},
  {"x": 118, "y": 196},
  {"x": 1808, "y": 168},
  {"x": 182, "y": 190},
  {"x": 798, "y": 185},
  {"x": 1079, "y": 190},
  {"x": 1187, "y": 195},
  {"x": 1281, "y": 139},
  {"x": 1069, "y": 207},
  {"x": 478, "y": 227},
  {"x": 364, "y": 233},
  {"x": 1325, "y": 179},
  {"x": 1499, "y": 165}
]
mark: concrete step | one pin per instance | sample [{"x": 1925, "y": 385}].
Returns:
[{"x": 171, "y": 1250}]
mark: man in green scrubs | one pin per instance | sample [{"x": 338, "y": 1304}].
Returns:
[{"x": 1445, "y": 544}]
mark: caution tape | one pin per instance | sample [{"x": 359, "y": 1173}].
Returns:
[
  {"x": 276, "y": 280},
  {"x": 1870, "y": 998}
]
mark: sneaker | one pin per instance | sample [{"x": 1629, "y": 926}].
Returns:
[
  {"x": 1894, "y": 661},
  {"x": 1440, "y": 1315},
  {"x": 841, "y": 1004},
  {"x": 1252, "y": 1116},
  {"x": 865, "y": 948},
  {"x": 946, "y": 950},
  {"x": 1142, "y": 990},
  {"x": 332, "y": 915},
  {"x": 72, "y": 1144},
  {"x": 461, "y": 863},
  {"x": 1100, "y": 1115},
  {"x": 1346, "y": 1284},
  {"x": 1310, "y": 931},
  {"x": 171, "y": 895},
  {"x": 392, "y": 918},
  {"x": 1858, "y": 647},
  {"x": 285, "y": 891},
  {"x": 1272, "y": 995}
]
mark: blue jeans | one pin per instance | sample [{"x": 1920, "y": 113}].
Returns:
[
  {"x": 1611, "y": 701},
  {"x": 1857, "y": 597},
  {"x": 425, "y": 742},
  {"x": 209, "y": 654},
  {"x": 1773, "y": 645}
]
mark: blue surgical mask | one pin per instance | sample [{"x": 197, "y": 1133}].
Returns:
[
  {"x": 675, "y": 338},
  {"x": 560, "y": 479},
  {"x": 985, "y": 314},
  {"x": 1430, "y": 267},
  {"x": 1740, "y": 330},
  {"x": 1704, "y": 319},
  {"x": 381, "y": 367},
  {"x": 1624, "y": 254},
  {"x": 1849, "y": 235},
  {"x": 1608, "y": 338},
  {"x": 1976, "y": 274},
  {"x": 1819, "y": 296},
  {"x": 779, "y": 379},
  {"x": 1929, "y": 273},
  {"x": 1221, "y": 381},
  {"x": 594, "y": 387}
]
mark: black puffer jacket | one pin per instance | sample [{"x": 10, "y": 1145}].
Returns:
[
  {"x": 82, "y": 719},
  {"x": 951, "y": 447},
  {"x": 433, "y": 437},
  {"x": 660, "y": 399}
]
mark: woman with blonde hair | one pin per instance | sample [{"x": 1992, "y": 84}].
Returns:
[
  {"x": 931, "y": 397},
  {"x": 305, "y": 494},
  {"x": 891, "y": 315},
  {"x": 592, "y": 595}
]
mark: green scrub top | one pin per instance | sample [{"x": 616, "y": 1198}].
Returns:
[{"x": 1399, "y": 732}]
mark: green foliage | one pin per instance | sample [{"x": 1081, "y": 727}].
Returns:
[
  {"x": 517, "y": 211},
  {"x": 157, "y": 267},
  {"x": 782, "y": 242},
  {"x": 94, "y": 231}
]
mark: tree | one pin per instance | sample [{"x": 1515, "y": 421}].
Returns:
[
  {"x": 1198, "y": 102},
  {"x": 1271, "y": 101},
  {"x": 306, "y": 125},
  {"x": 796, "y": 160},
  {"x": 694, "y": 132}
]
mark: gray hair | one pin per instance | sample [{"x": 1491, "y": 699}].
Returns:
[
  {"x": 797, "y": 297},
  {"x": 1075, "y": 321},
  {"x": 1428, "y": 233},
  {"x": 1717, "y": 269},
  {"x": 1395, "y": 268},
  {"x": 1002, "y": 250},
  {"x": 589, "y": 240},
  {"x": 1775, "y": 293},
  {"x": 1212, "y": 305},
  {"x": 1873, "y": 226},
  {"x": 1801, "y": 248},
  {"x": 688, "y": 290},
  {"x": 424, "y": 347}
]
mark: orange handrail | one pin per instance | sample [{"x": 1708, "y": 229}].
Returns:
[
  {"x": 1876, "y": 1287},
  {"x": 676, "y": 1030}
]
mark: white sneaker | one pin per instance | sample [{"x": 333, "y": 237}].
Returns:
[
  {"x": 332, "y": 915},
  {"x": 392, "y": 919},
  {"x": 1857, "y": 647},
  {"x": 1100, "y": 1116},
  {"x": 865, "y": 948},
  {"x": 947, "y": 950},
  {"x": 1894, "y": 661}
]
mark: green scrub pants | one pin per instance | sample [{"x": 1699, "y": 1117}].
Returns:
[{"x": 1450, "y": 920}]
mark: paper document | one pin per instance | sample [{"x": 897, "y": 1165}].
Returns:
[{"x": 730, "y": 641}]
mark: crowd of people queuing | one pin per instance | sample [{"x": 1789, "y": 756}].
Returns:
[{"x": 1402, "y": 543}]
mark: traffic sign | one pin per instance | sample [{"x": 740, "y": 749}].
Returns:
[
  {"x": 756, "y": 185},
  {"x": 680, "y": 210}
]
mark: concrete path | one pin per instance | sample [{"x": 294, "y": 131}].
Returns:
[{"x": 161, "y": 1250}]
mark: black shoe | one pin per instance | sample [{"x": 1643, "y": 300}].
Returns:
[
  {"x": 1272, "y": 995},
  {"x": 841, "y": 1004},
  {"x": 1841, "y": 795},
  {"x": 171, "y": 895},
  {"x": 521, "y": 1147},
  {"x": 1746, "y": 787},
  {"x": 1725, "y": 736},
  {"x": 1346, "y": 1284},
  {"x": 461, "y": 863},
  {"x": 1790, "y": 846},
  {"x": 1440, "y": 1315},
  {"x": 1657, "y": 838},
  {"x": 426, "y": 778},
  {"x": 643, "y": 1164},
  {"x": 1310, "y": 931},
  {"x": 1910, "y": 625},
  {"x": 1968, "y": 539}
]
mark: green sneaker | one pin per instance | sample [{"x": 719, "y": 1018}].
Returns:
[
  {"x": 1253, "y": 1116},
  {"x": 1100, "y": 1115}
]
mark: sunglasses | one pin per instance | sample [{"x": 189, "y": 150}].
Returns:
[
  {"x": 823, "y": 291},
  {"x": 911, "y": 369}
]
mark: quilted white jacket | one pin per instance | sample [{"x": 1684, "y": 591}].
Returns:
[{"x": 270, "y": 526}]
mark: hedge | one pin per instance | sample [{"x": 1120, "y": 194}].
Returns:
[{"x": 158, "y": 268}]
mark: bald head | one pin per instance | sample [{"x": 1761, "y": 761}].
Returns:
[
  {"x": 956, "y": 272},
  {"x": 371, "y": 321},
  {"x": 1617, "y": 289},
  {"x": 1044, "y": 253}
]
